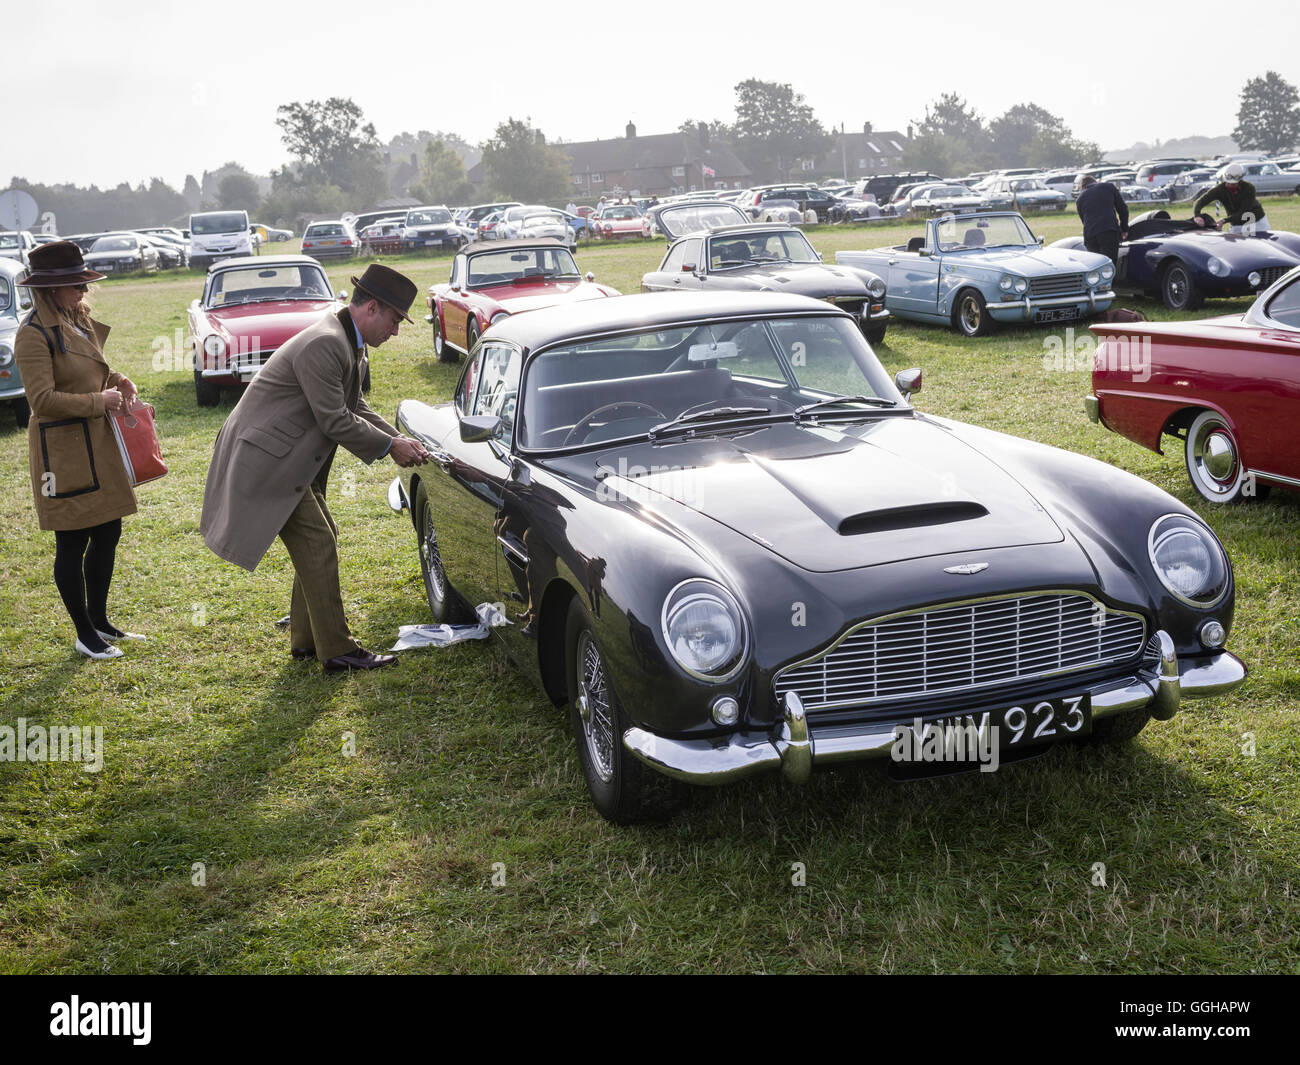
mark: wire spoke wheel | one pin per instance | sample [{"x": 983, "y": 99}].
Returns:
[{"x": 594, "y": 707}]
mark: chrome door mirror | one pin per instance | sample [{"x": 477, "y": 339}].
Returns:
[
  {"x": 908, "y": 381},
  {"x": 478, "y": 428}
]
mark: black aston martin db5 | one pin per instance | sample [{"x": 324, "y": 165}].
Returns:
[{"x": 729, "y": 543}]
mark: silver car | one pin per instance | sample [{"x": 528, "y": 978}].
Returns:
[
  {"x": 1269, "y": 178},
  {"x": 16, "y": 244}
]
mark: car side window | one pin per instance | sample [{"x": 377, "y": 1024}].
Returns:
[
  {"x": 468, "y": 384},
  {"x": 498, "y": 385},
  {"x": 674, "y": 259},
  {"x": 1284, "y": 308},
  {"x": 457, "y": 271}
]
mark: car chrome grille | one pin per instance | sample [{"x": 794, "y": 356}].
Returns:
[
  {"x": 962, "y": 647},
  {"x": 1061, "y": 285},
  {"x": 1271, "y": 274}
]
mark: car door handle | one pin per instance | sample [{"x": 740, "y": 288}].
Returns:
[
  {"x": 511, "y": 548},
  {"x": 442, "y": 458},
  {"x": 893, "y": 262}
]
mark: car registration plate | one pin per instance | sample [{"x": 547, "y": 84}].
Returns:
[
  {"x": 104, "y": 268},
  {"x": 1029, "y": 723},
  {"x": 1057, "y": 314}
]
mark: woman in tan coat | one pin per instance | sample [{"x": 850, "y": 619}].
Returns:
[{"x": 79, "y": 481}]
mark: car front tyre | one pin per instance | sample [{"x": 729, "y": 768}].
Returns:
[
  {"x": 970, "y": 315},
  {"x": 1178, "y": 289},
  {"x": 623, "y": 789},
  {"x": 1214, "y": 462},
  {"x": 205, "y": 392}
]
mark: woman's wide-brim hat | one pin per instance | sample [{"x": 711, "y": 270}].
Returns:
[
  {"x": 57, "y": 264},
  {"x": 388, "y": 286}
]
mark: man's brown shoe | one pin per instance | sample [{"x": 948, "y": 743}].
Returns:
[{"x": 358, "y": 659}]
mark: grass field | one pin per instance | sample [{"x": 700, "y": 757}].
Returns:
[{"x": 232, "y": 828}]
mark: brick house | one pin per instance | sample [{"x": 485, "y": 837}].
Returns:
[{"x": 662, "y": 164}]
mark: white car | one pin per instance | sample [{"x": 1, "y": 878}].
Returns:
[{"x": 16, "y": 244}]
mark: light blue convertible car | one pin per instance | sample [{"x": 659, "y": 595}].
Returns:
[
  {"x": 971, "y": 270},
  {"x": 15, "y": 302}
]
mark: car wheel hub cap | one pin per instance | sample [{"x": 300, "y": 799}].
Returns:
[
  {"x": 593, "y": 708},
  {"x": 1220, "y": 457},
  {"x": 432, "y": 564}
]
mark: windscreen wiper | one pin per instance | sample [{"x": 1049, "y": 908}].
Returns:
[
  {"x": 706, "y": 415},
  {"x": 874, "y": 401}
]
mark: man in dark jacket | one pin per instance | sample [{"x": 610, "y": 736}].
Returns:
[
  {"x": 1245, "y": 213},
  {"x": 1105, "y": 217}
]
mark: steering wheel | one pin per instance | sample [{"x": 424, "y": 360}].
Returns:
[{"x": 587, "y": 419}]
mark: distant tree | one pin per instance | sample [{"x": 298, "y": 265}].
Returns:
[
  {"x": 707, "y": 132},
  {"x": 238, "y": 192},
  {"x": 951, "y": 116},
  {"x": 295, "y": 199},
  {"x": 442, "y": 176},
  {"x": 951, "y": 139},
  {"x": 1028, "y": 135},
  {"x": 518, "y": 163},
  {"x": 192, "y": 192},
  {"x": 774, "y": 127},
  {"x": 336, "y": 145},
  {"x": 1269, "y": 118}
]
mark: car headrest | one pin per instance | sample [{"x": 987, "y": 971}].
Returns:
[
  {"x": 916, "y": 244},
  {"x": 974, "y": 238}
]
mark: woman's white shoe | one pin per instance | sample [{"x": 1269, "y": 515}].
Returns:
[
  {"x": 100, "y": 656},
  {"x": 108, "y": 638}
]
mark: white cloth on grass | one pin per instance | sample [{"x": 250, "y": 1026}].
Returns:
[{"x": 490, "y": 616}]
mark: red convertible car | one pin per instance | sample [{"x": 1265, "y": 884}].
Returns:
[
  {"x": 250, "y": 306},
  {"x": 622, "y": 220},
  {"x": 1228, "y": 388},
  {"x": 493, "y": 281}
]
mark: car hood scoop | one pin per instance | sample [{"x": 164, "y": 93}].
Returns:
[{"x": 836, "y": 497}]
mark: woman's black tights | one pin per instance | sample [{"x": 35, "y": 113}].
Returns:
[{"x": 83, "y": 570}]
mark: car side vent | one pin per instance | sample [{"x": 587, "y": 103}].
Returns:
[{"x": 916, "y": 517}]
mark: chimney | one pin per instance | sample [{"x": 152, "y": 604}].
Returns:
[
  {"x": 866, "y": 127},
  {"x": 631, "y": 130},
  {"x": 704, "y": 133}
]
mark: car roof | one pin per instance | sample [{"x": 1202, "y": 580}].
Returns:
[
  {"x": 262, "y": 260},
  {"x": 640, "y": 311},
  {"x": 13, "y": 267},
  {"x": 506, "y": 245}
]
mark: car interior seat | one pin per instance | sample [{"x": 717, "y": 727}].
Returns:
[
  {"x": 916, "y": 244},
  {"x": 974, "y": 238}
]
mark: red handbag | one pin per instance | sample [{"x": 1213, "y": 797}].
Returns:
[{"x": 137, "y": 439}]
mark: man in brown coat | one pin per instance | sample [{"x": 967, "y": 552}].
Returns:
[{"x": 272, "y": 458}]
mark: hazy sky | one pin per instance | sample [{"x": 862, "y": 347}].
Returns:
[{"x": 135, "y": 89}]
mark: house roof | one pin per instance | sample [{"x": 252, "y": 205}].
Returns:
[{"x": 877, "y": 142}]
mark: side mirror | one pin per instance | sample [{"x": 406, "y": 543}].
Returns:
[
  {"x": 342, "y": 294},
  {"x": 908, "y": 381},
  {"x": 689, "y": 268},
  {"x": 590, "y": 276},
  {"x": 477, "y": 429}
]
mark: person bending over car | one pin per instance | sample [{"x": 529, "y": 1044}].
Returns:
[
  {"x": 1105, "y": 217},
  {"x": 1245, "y": 213}
]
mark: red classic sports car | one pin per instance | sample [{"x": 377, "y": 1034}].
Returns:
[
  {"x": 250, "y": 306},
  {"x": 622, "y": 220},
  {"x": 493, "y": 281},
  {"x": 1228, "y": 388},
  {"x": 382, "y": 238}
]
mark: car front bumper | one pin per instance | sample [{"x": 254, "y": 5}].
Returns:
[
  {"x": 795, "y": 746},
  {"x": 1025, "y": 308}
]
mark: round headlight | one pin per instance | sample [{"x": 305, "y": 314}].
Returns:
[
  {"x": 704, "y": 630},
  {"x": 213, "y": 346},
  {"x": 1217, "y": 266},
  {"x": 6, "y": 354},
  {"x": 1107, "y": 272},
  {"x": 1022, "y": 285},
  {"x": 1092, "y": 277},
  {"x": 1006, "y": 282},
  {"x": 1188, "y": 560},
  {"x": 876, "y": 287},
  {"x": 1254, "y": 277}
]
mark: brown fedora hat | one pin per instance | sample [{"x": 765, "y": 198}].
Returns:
[
  {"x": 57, "y": 264},
  {"x": 388, "y": 286}
]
